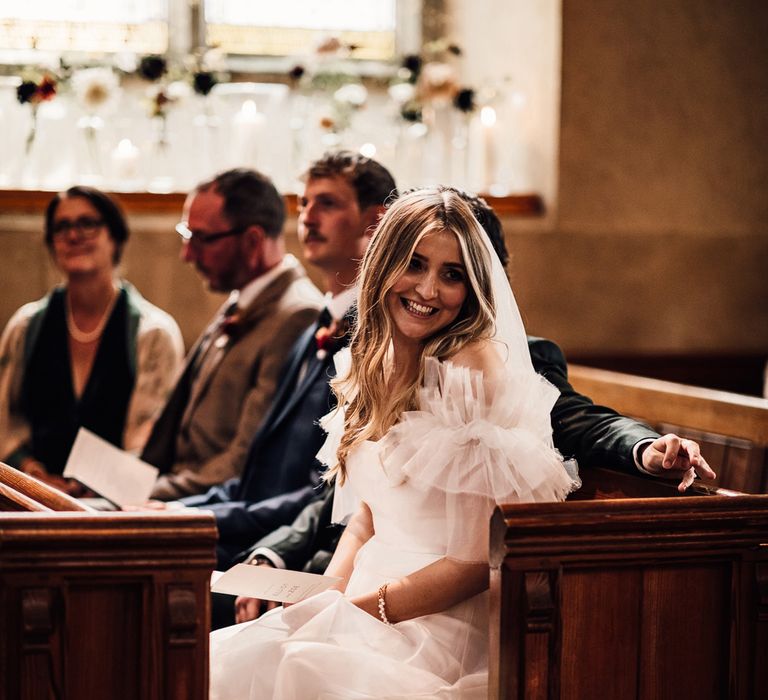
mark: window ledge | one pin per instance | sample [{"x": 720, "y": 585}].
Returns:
[{"x": 35, "y": 202}]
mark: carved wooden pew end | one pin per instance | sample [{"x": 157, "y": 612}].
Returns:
[
  {"x": 630, "y": 598},
  {"x": 101, "y": 605}
]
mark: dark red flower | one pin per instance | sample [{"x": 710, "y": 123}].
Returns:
[
  {"x": 152, "y": 67},
  {"x": 34, "y": 93},
  {"x": 231, "y": 325},
  {"x": 465, "y": 100},
  {"x": 330, "y": 339},
  {"x": 413, "y": 63},
  {"x": 297, "y": 72},
  {"x": 26, "y": 91},
  {"x": 203, "y": 82},
  {"x": 47, "y": 88}
]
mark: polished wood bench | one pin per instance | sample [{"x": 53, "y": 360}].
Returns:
[
  {"x": 630, "y": 598},
  {"x": 732, "y": 429},
  {"x": 101, "y": 605}
]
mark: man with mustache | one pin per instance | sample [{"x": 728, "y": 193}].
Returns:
[{"x": 344, "y": 196}]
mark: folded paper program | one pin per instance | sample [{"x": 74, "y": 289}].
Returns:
[
  {"x": 270, "y": 584},
  {"x": 109, "y": 471}
]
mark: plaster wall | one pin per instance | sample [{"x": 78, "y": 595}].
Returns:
[{"x": 660, "y": 238}]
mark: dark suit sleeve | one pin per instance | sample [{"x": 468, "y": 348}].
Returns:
[
  {"x": 298, "y": 543},
  {"x": 244, "y": 521},
  {"x": 215, "y": 494},
  {"x": 597, "y": 436}
]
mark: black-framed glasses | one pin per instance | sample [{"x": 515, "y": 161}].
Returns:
[
  {"x": 198, "y": 239},
  {"x": 86, "y": 227}
]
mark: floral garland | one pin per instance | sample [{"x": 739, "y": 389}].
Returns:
[
  {"x": 430, "y": 79},
  {"x": 324, "y": 71},
  {"x": 419, "y": 81}
]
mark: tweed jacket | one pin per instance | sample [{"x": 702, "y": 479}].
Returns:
[{"x": 231, "y": 374}]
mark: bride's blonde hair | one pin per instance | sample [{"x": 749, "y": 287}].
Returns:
[{"x": 370, "y": 407}]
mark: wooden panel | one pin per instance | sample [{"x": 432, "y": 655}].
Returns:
[
  {"x": 685, "y": 632},
  {"x": 107, "y": 605},
  {"x": 184, "y": 618},
  {"x": 757, "y": 589},
  {"x": 642, "y": 598},
  {"x": 105, "y": 615},
  {"x": 596, "y": 619}
]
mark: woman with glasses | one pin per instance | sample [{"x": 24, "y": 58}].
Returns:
[{"x": 92, "y": 353}]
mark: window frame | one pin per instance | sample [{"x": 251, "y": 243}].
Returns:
[
  {"x": 187, "y": 30},
  {"x": 408, "y": 39}
]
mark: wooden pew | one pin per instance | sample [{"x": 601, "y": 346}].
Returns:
[
  {"x": 102, "y": 605},
  {"x": 630, "y": 598},
  {"x": 21, "y": 492},
  {"x": 732, "y": 429}
]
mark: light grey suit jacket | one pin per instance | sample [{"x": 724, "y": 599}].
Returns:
[{"x": 203, "y": 434}]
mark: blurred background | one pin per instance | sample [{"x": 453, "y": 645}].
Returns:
[{"x": 625, "y": 146}]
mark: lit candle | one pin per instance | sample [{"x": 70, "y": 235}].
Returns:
[
  {"x": 368, "y": 150},
  {"x": 125, "y": 163},
  {"x": 247, "y": 126},
  {"x": 488, "y": 120}
]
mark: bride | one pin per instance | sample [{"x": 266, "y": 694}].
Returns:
[{"x": 441, "y": 417}]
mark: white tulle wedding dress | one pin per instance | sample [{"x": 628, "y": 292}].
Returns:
[{"x": 431, "y": 484}]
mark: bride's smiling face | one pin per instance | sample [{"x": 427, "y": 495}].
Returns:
[{"x": 430, "y": 293}]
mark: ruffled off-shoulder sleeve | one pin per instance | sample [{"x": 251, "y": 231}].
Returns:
[
  {"x": 481, "y": 443},
  {"x": 472, "y": 436}
]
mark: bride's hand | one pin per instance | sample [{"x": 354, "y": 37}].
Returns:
[{"x": 247, "y": 609}]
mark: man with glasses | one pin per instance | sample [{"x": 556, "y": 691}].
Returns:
[
  {"x": 343, "y": 198},
  {"x": 232, "y": 233}
]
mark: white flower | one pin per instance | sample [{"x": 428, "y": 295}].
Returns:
[
  {"x": 126, "y": 61},
  {"x": 353, "y": 94},
  {"x": 437, "y": 82},
  {"x": 178, "y": 90},
  {"x": 95, "y": 87},
  {"x": 402, "y": 92},
  {"x": 214, "y": 60}
]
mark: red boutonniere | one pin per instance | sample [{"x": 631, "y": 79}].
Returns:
[
  {"x": 323, "y": 339},
  {"x": 231, "y": 327},
  {"x": 330, "y": 339}
]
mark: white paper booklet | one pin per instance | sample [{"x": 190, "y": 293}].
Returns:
[
  {"x": 109, "y": 471},
  {"x": 266, "y": 583}
]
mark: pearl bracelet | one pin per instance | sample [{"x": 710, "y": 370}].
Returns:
[{"x": 383, "y": 604}]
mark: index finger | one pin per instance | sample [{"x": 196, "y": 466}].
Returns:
[{"x": 696, "y": 459}]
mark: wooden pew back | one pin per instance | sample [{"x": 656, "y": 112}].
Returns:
[
  {"x": 732, "y": 429},
  {"x": 630, "y": 599},
  {"x": 101, "y": 605}
]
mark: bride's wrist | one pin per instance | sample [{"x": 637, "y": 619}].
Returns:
[{"x": 368, "y": 603}]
